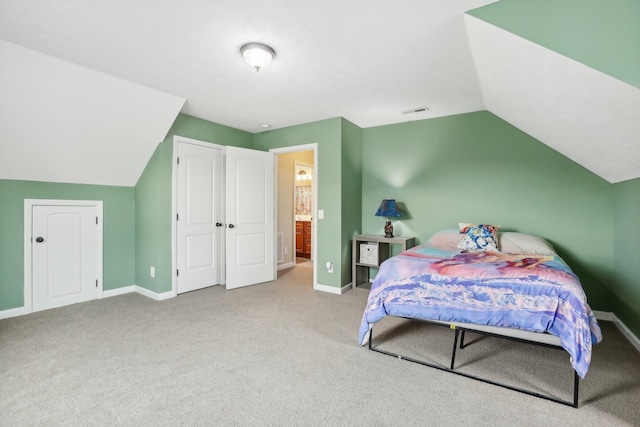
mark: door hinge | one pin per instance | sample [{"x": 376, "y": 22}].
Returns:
[
  {"x": 177, "y": 272},
  {"x": 177, "y": 217},
  {"x": 96, "y": 220},
  {"x": 96, "y": 283},
  {"x": 178, "y": 160}
]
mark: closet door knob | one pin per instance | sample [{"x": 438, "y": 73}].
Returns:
[
  {"x": 232, "y": 226},
  {"x": 219, "y": 224},
  {"x": 39, "y": 239}
]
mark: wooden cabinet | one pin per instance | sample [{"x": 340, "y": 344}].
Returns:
[
  {"x": 377, "y": 250},
  {"x": 303, "y": 239}
]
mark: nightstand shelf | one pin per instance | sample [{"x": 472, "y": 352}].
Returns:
[{"x": 369, "y": 251}]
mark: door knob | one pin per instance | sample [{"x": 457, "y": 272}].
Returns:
[
  {"x": 39, "y": 239},
  {"x": 231, "y": 226},
  {"x": 219, "y": 224}
]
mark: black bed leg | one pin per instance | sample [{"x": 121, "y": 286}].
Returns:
[
  {"x": 455, "y": 344},
  {"x": 370, "y": 337},
  {"x": 462, "y": 339},
  {"x": 576, "y": 382}
]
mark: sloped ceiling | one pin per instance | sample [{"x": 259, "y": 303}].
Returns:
[
  {"x": 586, "y": 115},
  {"x": 94, "y": 86},
  {"x": 60, "y": 122}
]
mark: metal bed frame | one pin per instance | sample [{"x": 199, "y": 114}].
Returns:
[{"x": 451, "y": 369}]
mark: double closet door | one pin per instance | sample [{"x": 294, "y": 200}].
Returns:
[{"x": 224, "y": 216}]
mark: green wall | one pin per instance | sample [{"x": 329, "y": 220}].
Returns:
[
  {"x": 118, "y": 245},
  {"x": 153, "y": 198},
  {"x": 351, "y": 191},
  {"x": 478, "y": 168},
  {"x": 626, "y": 283},
  {"x": 471, "y": 167},
  {"x": 604, "y": 35},
  {"x": 328, "y": 135}
]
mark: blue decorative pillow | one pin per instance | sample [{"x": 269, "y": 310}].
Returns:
[{"x": 478, "y": 237}]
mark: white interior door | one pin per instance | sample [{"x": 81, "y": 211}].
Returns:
[
  {"x": 65, "y": 259},
  {"x": 199, "y": 220},
  {"x": 249, "y": 217}
]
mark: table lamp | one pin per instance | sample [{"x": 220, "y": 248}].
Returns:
[{"x": 388, "y": 208}]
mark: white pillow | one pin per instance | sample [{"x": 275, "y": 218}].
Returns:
[
  {"x": 445, "y": 239},
  {"x": 520, "y": 243}
]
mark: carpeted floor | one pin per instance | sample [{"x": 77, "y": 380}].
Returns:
[{"x": 281, "y": 354}]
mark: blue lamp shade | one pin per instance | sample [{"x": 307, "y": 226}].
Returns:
[{"x": 389, "y": 209}]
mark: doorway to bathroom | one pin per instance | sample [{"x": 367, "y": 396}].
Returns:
[
  {"x": 303, "y": 211},
  {"x": 297, "y": 193}
]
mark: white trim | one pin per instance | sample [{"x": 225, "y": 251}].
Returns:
[
  {"x": 27, "y": 227},
  {"x": 154, "y": 295},
  {"x": 626, "y": 332},
  {"x": 12, "y": 312},
  {"x": 332, "y": 289},
  {"x": 346, "y": 288},
  {"x": 118, "y": 291},
  {"x": 285, "y": 266},
  {"x": 603, "y": 315},
  {"x": 316, "y": 184},
  {"x": 21, "y": 311},
  {"x": 174, "y": 207}
]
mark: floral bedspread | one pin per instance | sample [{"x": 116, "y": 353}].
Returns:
[{"x": 529, "y": 292}]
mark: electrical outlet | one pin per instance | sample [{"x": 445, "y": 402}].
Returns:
[
  {"x": 152, "y": 272},
  {"x": 329, "y": 267}
]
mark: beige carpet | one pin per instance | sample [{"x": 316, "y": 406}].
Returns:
[{"x": 281, "y": 354}]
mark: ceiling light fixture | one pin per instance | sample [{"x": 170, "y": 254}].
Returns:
[{"x": 257, "y": 55}]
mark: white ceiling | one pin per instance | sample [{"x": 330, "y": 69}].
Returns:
[{"x": 365, "y": 60}]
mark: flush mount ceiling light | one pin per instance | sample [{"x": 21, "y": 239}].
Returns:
[{"x": 257, "y": 55}]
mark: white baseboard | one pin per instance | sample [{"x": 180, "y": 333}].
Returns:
[
  {"x": 118, "y": 291},
  {"x": 12, "y": 312},
  {"x": 624, "y": 330},
  {"x": 627, "y": 332},
  {"x": 332, "y": 289},
  {"x": 603, "y": 315},
  {"x": 325, "y": 288},
  {"x": 346, "y": 288},
  {"x": 154, "y": 295},
  {"x": 285, "y": 266}
]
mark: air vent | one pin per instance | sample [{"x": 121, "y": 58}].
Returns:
[{"x": 417, "y": 110}]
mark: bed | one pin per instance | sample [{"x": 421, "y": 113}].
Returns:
[{"x": 476, "y": 279}]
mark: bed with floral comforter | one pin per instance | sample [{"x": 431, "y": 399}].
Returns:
[{"x": 531, "y": 292}]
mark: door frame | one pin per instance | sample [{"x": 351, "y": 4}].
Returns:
[
  {"x": 297, "y": 164},
  {"x": 28, "y": 227},
  {"x": 316, "y": 184},
  {"x": 174, "y": 208}
]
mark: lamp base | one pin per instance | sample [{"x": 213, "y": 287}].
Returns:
[{"x": 388, "y": 229}]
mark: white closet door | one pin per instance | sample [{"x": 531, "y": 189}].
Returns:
[
  {"x": 249, "y": 216},
  {"x": 199, "y": 222},
  {"x": 65, "y": 264}
]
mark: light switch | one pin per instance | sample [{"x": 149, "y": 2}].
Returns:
[{"x": 320, "y": 213}]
